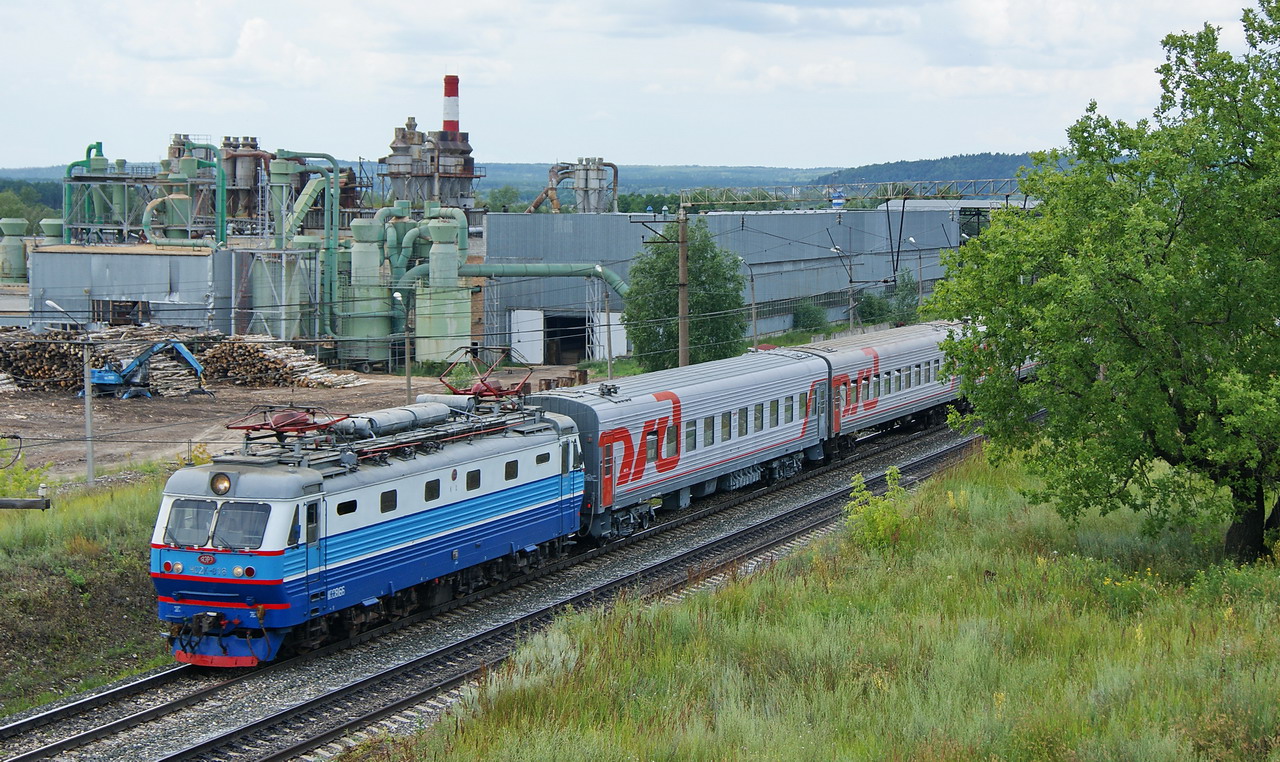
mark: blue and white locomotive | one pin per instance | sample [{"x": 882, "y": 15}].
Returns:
[
  {"x": 330, "y": 523},
  {"x": 324, "y": 525}
]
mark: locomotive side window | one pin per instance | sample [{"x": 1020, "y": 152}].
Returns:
[
  {"x": 742, "y": 422},
  {"x": 917, "y": 374},
  {"x": 511, "y": 470},
  {"x": 789, "y": 408},
  {"x": 542, "y": 458},
  {"x": 709, "y": 430},
  {"x": 690, "y": 436},
  {"x": 387, "y": 501},
  {"x": 431, "y": 491},
  {"x": 906, "y": 377},
  {"x": 671, "y": 445},
  {"x": 294, "y": 529},
  {"x": 313, "y": 522},
  {"x": 773, "y": 413},
  {"x": 726, "y": 426},
  {"x": 897, "y": 381},
  {"x": 803, "y": 404},
  {"x": 473, "y": 479},
  {"x": 346, "y": 506}
]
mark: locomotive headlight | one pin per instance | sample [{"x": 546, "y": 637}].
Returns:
[
  {"x": 177, "y": 568},
  {"x": 238, "y": 571},
  {"x": 220, "y": 483}
]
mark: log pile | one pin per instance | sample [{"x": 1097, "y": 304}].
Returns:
[
  {"x": 7, "y": 384},
  {"x": 53, "y": 360},
  {"x": 48, "y": 361},
  {"x": 260, "y": 361}
]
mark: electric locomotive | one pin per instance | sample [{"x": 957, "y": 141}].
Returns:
[{"x": 323, "y": 525}]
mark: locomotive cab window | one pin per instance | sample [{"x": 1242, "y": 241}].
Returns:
[
  {"x": 387, "y": 501},
  {"x": 542, "y": 458},
  {"x": 431, "y": 490},
  {"x": 240, "y": 525},
  {"x": 511, "y": 470},
  {"x": 295, "y": 531},
  {"x": 473, "y": 479},
  {"x": 189, "y": 522},
  {"x": 346, "y": 507}
]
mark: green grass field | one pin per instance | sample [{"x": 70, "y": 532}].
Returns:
[
  {"x": 78, "y": 608},
  {"x": 957, "y": 623}
]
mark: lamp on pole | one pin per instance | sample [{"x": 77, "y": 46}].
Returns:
[
  {"x": 847, "y": 261},
  {"x": 88, "y": 393},
  {"x": 755, "y": 332},
  {"x": 408, "y": 363}
]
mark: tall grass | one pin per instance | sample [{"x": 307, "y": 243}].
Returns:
[
  {"x": 78, "y": 608},
  {"x": 993, "y": 630}
]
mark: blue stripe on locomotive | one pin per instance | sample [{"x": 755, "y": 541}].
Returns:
[{"x": 376, "y": 560}]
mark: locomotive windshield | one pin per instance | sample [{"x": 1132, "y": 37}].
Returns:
[
  {"x": 204, "y": 522},
  {"x": 189, "y": 522}
]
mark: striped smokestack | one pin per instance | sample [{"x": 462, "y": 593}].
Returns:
[{"x": 450, "y": 103}]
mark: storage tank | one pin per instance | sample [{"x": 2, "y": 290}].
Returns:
[{"x": 13, "y": 255}]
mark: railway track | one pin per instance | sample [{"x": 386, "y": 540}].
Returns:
[{"x": 404, "y": 687}]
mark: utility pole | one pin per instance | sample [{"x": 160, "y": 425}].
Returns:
[
  {"x": 682, "y": 287},
  {"x": 88, "y": 393}
]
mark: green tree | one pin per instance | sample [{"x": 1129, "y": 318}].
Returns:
[
  {"x": 905, "y": 301},
  {"x": 717, "y": 319},
  {"x": 1146, "y": 286},
  {"x": 503, "y": 199}
]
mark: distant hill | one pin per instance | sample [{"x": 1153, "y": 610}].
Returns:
[
  {"x": 970, "y": 166},
  {"x": 656, "y": 178}
]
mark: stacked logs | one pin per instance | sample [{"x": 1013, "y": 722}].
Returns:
[
  {"x": 260, "y": 361},
  {"x": 54, "y": 360},
  {"x": 48, "y": 361}
]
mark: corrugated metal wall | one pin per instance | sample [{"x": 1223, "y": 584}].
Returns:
[{"x": 790, "y": 253}]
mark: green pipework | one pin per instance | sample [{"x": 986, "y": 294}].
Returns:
[
  {"x": 159, "y": 240},
  {"x": 66, "y": 186},
  {"x": 220, "y": 199},
  {"x": 563, "y": 270},
  {"x": 305, "y": 199}
]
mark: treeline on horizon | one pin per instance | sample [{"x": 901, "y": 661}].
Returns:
[{"x": 639, "y": 185}]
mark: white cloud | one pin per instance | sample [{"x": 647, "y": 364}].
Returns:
[{"x": 717, "y": 81}]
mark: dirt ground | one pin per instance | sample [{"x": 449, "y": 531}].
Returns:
[{"x": 133, "y": 431}]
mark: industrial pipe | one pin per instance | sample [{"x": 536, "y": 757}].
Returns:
[
  {"x": 66, "y": 187},
  {"x": 555, "y": 175},
  {"x": 220, "y": 196},
  {"x": 615, "y": 183},
  {"x": 515, "y": 269},
  {"x": 159, "y": 239}
]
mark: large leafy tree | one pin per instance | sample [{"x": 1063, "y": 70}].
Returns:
[
  {"x": 1146, "y": 285},
  {"x": 717, "y": 320}
]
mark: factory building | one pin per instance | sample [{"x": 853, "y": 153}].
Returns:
[
  {"x": 298, "y": 246},
  {"x": 825, "y": 256}
]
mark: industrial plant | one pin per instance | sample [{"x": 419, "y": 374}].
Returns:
[{"x": 363, "y": 262}]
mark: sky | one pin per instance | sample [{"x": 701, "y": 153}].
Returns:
[{"x": 811, "y": 83}]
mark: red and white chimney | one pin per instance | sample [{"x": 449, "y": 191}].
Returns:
[{"x": 450, "y": 103}]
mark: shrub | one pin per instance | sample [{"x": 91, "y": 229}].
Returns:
[{"x": 808, "y": 316}]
